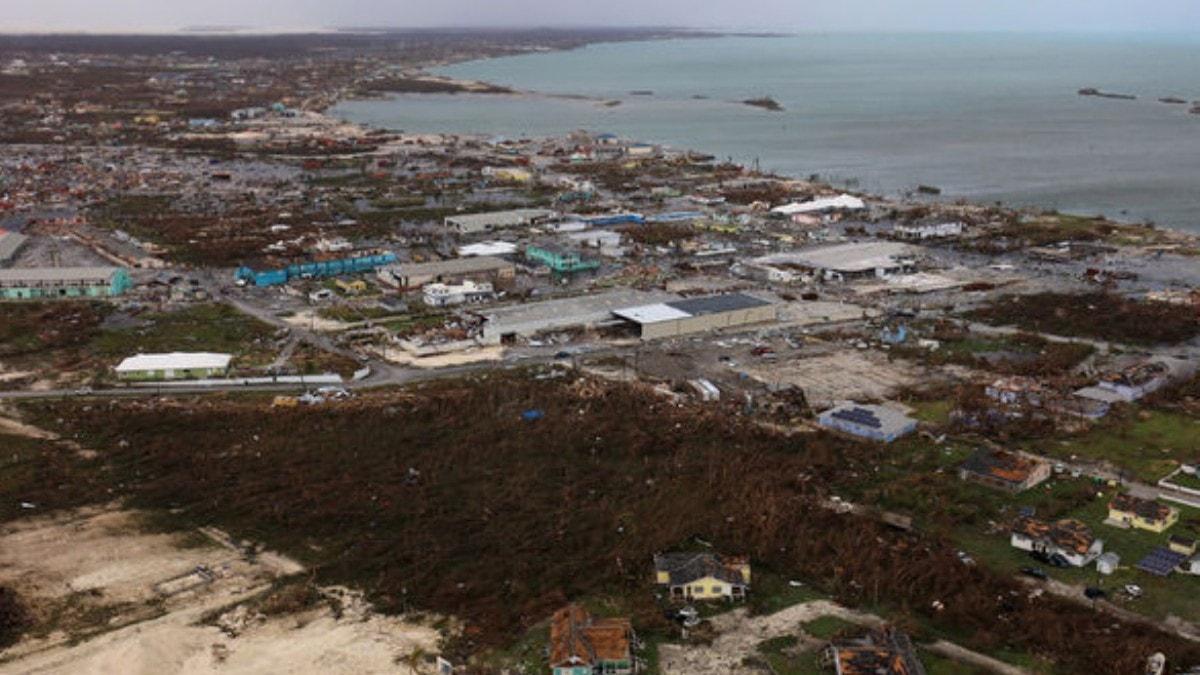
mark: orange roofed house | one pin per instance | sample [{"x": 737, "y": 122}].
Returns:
[
  {"x": 880, "y": 652},
  {"x": 583, "y": 645},
  {"x": 1068, "y": 538}
]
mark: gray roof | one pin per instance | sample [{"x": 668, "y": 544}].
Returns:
[
  {"x": 851, "y": 257},
  {"x": 499, "y": 218},
  {"x": 56, "y": 274},
  {"x": 684, "y": 568},
  {"x": 9, "y": 243},
  {"x": 452, "y": 266}
]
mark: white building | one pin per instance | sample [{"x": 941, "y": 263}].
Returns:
[
  {"x": 930, "y": 231},
  {"x": 443, "y": 295},
  {"x": 173, "y": 366},
  {"x": 842, "y": 202},
  {"x": 872, "y": 259},
  {"x": 1070, "y": 539}
]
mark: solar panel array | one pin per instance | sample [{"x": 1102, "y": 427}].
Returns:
[
  {"x": 860, "y": 416},
  {"x": 1161, "y": 561},
  {"x": 715, "y": 304}
]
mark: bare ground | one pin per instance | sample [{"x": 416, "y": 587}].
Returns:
[{"x": 109, "y": 596}]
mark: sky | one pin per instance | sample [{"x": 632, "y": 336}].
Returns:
[{"x": 794, "y": 15}]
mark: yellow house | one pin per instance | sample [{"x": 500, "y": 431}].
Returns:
[
  {"x": 1146, "y": 514},
  {"x": 353, "y": 287},
  {"x": 702, "y": 576}
]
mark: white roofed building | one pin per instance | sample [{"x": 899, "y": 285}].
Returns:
[{"x": 174, "y": 366}]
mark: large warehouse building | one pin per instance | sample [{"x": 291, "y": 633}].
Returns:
[
  {"x": 44, "y": 283},
  {"x": 872, "y": 259},
  {"x": 476, "y": 268},
  {"x": 10, "y": 244},
  {"x": 473, "y": 223},
  {"x": 174, "y": 366},
  {"x": 698, "y": 315},
  {"x": 527, "y": 320}
]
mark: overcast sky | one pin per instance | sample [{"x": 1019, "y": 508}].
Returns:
[{"x": 819, "y": 15}]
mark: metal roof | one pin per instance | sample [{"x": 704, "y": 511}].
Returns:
[
  {"x": 56, "y": 274},
  {"x": 499, "y": 218},
  {"x": 452, "y": 266},
  {"x": 174, "y": 361},
  {"x": 9, "y": 243},
  {"x": 852, "y": 257},
  {"x": 487, "y": 248},
  {"x": 652, "y": 313}
]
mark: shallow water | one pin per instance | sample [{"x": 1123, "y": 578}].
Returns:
[{"x": 985, "y": 117}]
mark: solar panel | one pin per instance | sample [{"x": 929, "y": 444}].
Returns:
[
  {"x": 859, "y": 416},
  {"x": 715, "y": 304},
  {"x": 1161, "y": 561}
]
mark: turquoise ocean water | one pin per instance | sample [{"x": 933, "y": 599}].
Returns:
[{"x": 982, "y": 116}]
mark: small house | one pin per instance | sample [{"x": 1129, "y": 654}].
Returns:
[
  {"x": 1108, "y": 563},
  {"x": 1015, "y": 390},
  {"x": 1004, "y": 470},
  {"x": 873, "y": 422},
  {"x": 1182, "y": 544},
  {"x": 885, "y": 651},
  {"x": 702, "y": 576},
  {"x": 1126, "y": 510},
  {"x": 1192, "y": 566},
  {"x": 1069, "y": 538},
  {"x": 1137, "y": 381},
  {"x": 581, "y": 644}
]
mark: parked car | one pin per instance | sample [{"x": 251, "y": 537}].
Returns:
[
  {"x": 1094, "y": 593},
  {"x": 1035, "y": 572},
  {"x": 1133, "y": 590}
]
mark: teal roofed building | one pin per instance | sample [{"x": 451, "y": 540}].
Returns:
[
  {"x": 49, "y": 283},
  {"x": 560, "y": 261}
]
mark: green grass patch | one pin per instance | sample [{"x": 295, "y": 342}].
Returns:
[
  {"x": 1149, "y": 444},
  {"x": 829, "y": 627},
  {"x": 207, "y": 327},
  {"x": 772, "y": 592}
]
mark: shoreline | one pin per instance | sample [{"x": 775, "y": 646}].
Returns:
[{"x": 900, "y": 196}]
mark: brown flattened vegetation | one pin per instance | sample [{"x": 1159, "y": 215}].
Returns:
[
  {"x": 1093, "y": 315},
  {"x": 33, "y": 328},
  {"x": 14, "y": 618},
  {"x": 444, "y": 498},
  {"x": 658, "y": 234}
]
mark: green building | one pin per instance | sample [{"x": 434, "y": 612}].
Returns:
[
  {"x": 559, "y": 261},
  {"x": 174, "y": 366},
  {"x": 47, "y": 283}
]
